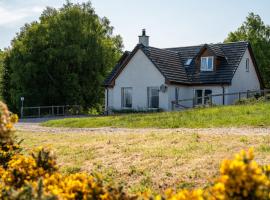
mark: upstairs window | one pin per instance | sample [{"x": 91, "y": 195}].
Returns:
[
  {"x": 126, "y": 96},
  {"x": 207, "y": 63},
  {"x": 247, "y": 65}
]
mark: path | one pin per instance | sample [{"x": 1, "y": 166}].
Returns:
[{"x": 35, "y": 126}]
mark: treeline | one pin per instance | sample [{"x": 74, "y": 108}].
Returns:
[{"x": 62, "y": 59}]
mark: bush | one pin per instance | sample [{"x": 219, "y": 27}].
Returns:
[
  {"x": 36, "y": 176},
  {"x": 249, "y": 101}
]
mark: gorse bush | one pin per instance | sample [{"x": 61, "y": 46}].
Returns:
[{"x": 36, "y": 176}]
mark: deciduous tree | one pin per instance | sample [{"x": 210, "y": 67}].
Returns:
[
  {"x": 258, "y": 34},
  {"x": 61, "y": 59}
]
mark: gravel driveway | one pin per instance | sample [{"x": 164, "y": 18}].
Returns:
[{"x": 34, "y": 125}]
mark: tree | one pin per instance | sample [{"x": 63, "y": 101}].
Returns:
[
  {"x": 62, "y": 59},
  {"x": 258, "y": 34}
]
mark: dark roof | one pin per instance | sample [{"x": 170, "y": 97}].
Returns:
[{"x": 171, "y": 63}]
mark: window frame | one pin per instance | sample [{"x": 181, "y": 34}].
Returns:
[
  {"x": 247, "y": 65},
  {"x": 149, "y": 93},
  {"x": 123, "y": 97},
  {"x": 204, "y": 99},
  {"x": 207, "y": 62}
]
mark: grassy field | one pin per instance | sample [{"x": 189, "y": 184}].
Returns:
[
  {"x": 154, "y": 160},
  {"x": 225, "y": 116}
]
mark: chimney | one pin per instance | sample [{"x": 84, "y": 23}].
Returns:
[{"x": 144, "y": 39}]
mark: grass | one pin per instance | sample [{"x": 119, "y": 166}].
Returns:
[
  {"x": 224, "y": 116},
  {"x": 155, "y": 159}
]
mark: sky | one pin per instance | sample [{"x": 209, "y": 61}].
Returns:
[{"x": 170, "y": 23}]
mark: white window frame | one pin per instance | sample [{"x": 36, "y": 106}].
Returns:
[
  {"x": 203, "y": 98},
  {"x": 247, "y": 65},
  {"x": 149, "y": 97},
  {"x": 123, "y": 106},
  {"x": 207, "y": 67}
]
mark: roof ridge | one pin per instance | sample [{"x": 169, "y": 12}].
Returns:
[{"x": 161, "y": 49}]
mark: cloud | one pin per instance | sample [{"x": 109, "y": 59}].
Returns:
[{"x": 12, "y": 16}]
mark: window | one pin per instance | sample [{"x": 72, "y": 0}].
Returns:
[
  {"x": 202, "y": 97},
  {"x": 126, "y": 97},
  {"x": 247, "y": 65},
  {"x": 188, "y": 62},
  {"x": 153, "y": 97},
  {"x": 207, "y": 63},
  {"x": 207, "y": 94}
]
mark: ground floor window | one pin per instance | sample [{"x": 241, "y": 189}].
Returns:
[
  {"x": 202, "y": 96},
  {"x": 126, "y": 97},
  {"x": 153, "y": 97}
]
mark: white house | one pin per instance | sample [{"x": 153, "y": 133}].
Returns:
[{"x": 150, "y": 78}]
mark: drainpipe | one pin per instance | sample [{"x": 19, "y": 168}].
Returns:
[
  {"x": 107, "y": 101},
  {"x": 223, "y": 94}
]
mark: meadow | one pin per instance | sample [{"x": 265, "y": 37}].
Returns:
[{"x": 154, "y": 159}]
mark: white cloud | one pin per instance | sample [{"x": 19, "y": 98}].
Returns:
[{"x": 11, "y": 16}]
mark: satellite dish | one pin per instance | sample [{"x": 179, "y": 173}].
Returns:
[{"x": 163, "y": 88}]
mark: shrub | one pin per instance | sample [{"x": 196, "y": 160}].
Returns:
[{"x": 248, "y": 101}]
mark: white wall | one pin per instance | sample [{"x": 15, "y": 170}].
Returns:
[
  {"x": 187, "y": 92},
  {"x": 139, "y": 74},
  {"x": 242, "y": 80}
]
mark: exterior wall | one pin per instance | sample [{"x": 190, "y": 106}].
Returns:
[
  {"x": 139, "y": 74},
  {"x": 187, "y": 92},
  {"x": 242, "y": 80}
]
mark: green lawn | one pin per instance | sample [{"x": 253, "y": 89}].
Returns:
[{"x": 223, "y": 116}]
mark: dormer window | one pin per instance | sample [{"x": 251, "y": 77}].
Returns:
[{"x": 207, "y": 63}]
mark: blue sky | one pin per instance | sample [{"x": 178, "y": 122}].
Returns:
[{"x": 168, "y": 23}]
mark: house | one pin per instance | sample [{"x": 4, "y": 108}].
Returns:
[{"x": 151, "y": 78}]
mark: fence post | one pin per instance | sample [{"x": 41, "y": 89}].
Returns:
[
  {"x": 239, "y": 96},
  {"x": 21, "y": 112},
  {"x": 38, "y": 111},
  {"x": 211, "y": 99},
  {"x": 52, "y": 111},
  {"x": 247, "y": 94}
]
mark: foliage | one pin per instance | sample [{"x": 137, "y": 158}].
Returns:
[
  {"x": 2, "y": 54},
  {"x": 8, "y": 145},
  {"x": 257, "y": 114},
  {"x": 61, "y": 59},
  {"x": 258, "y": 34},
  {"x": 250, "y": 101}
]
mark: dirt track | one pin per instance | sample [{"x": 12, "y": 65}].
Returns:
[{"x": 34, "y": 126}]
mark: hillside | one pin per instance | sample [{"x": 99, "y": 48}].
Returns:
[{"x": 256, "y": 115}]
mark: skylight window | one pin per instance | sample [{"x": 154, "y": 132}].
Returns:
[{"x": 188, "y": 62}]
